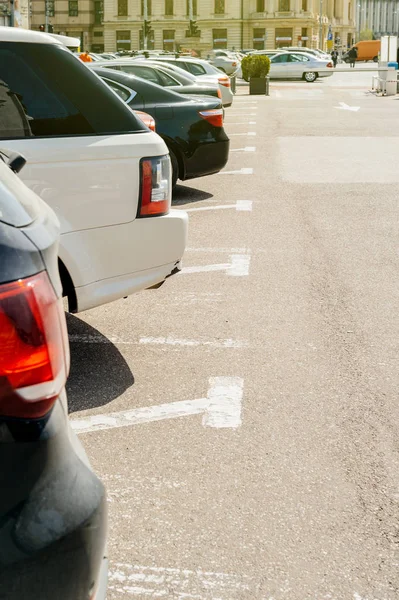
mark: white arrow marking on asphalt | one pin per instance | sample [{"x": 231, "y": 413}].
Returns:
[
  {"x": 240, "y": 205},
  {"x": 344, "y": 106},
  {"x": 246, "y": 149},
  {"x": 248, "y": 133},
  {"x": 221, "y": 409},
  {"x": 238, "y": 267},
  {"x": 245, "y": 171}
]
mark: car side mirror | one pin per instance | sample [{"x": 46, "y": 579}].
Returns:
[{"x": 15, "y": 161}]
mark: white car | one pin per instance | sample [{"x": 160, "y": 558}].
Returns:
[
  {"x": 107, "y": 177},
  {"x": 225, "y": 61},
  {"x": 296, "y": 65},
  {"x": 203, "y": 71}
]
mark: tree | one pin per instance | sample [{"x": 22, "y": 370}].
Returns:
[{"x": 365, "y": 34}]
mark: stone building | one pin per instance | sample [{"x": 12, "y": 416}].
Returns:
[{"x": 381, "y": 16}]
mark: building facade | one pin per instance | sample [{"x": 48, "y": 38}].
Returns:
[
  {"x": 111, "y": 25},
  {"x": 381, "y": 16}
]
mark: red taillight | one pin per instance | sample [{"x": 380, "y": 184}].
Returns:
[
  {"x": 330, "y": 65},
  {"x": 146, "y": 118},
  {"x": 233, "y": 64},
  {"x": 156, "y": 189},
  {"x": 34, "y": 357},
  {"x": 224, "y": 81},
  {"x": 219, "y": 94},
  {"x": 214, "y": 117}
]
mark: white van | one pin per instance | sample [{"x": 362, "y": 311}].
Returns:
[{"x": 103, "y": 172}]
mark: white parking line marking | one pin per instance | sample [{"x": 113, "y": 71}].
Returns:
[
  {"x": 246, "y": 149},
  {"x": 240, "y": 205},
  {"x": 239, "y": 114},
  {"x": 157, "y": 582},
  {"x": 245, "y": 171},
  {"x": 221, "y": 250},
  {"x": 242, "y": 123},
  {"x": 171, "y": 341},
  {"x": 248, "y": 133},
  {"x": 238, "y": 267},
  {"x": 220, "y": 409}
]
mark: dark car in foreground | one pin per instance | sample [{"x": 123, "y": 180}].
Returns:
[
  {"x": 191, "y": 127},
  {"x": 52, "y": 506}
]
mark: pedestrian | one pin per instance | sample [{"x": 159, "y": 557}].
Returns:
[
  {"x": 334, "y": 56},
  {"x": 85, "y": 57},
  {"x": 352, "y": 54}
]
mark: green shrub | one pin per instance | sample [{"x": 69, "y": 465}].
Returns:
[{"x": 255, "y": 65}]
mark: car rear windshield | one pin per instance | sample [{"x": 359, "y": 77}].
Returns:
[{"x": 46, "y": 91}]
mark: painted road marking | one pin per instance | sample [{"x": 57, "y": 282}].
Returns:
[
  {"x": 158, "y": 582},
  {"x": 221, "y": 250},
  {"x": 238, "y": 267},
  {"x": 240, "y": 205},
  {"x": 242, "y": 123},
  {"x": 239, "y": 114},
  {"x": 248, "y": 133},
  {"x": 244, "y": 171},
  {"x": 220, "y": 409},
  {"x": 169, "y": 341},
  {"x": 246, "y": 149},
  {"x": 344, "y": 106}
]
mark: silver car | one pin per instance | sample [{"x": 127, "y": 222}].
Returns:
[{"x": 298, "y": 65}]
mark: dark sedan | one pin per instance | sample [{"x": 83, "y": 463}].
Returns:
[
  {"x": 163, "y": 76},
  {"x": 52, "y": 506},
  {"x": 192, "y": 126}
]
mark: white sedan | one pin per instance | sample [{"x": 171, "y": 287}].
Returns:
[{"x": 298, "y": 65}]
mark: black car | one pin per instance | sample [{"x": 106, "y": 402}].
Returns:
[
  {"x": 52, "y": 506},
  {"x": 192, "y": 127}
]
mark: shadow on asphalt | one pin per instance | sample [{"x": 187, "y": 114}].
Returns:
[
  {"x": 183, "y": 194},
  {"x": 99, "y": 373}
]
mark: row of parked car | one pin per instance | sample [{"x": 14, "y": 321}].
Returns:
[{"x": 85, "y": 214}]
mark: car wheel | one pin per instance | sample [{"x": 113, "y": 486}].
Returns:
[
  {"x": 310, "y": 76},
  {"x": 375, "y": 59},
  {"x": 175, "y": 168}
]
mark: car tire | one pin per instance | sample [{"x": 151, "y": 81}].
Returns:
[
  {"x": 310, "y": 76},
  {"x": 375, "y": 59},
  {"x": 175, "y": 167}
]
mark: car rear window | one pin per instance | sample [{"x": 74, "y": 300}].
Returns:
[
  {"x": 196, "y": 69},
  {"x": 46, "y": 91}
]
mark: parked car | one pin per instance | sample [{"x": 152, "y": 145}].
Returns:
[
  {"x": 178, "y": 73},
  {"x": 203, "y": 70},
  {"x": 191, "y": 127},
  {"x": 366, "y": 50},
  {"x": 225, "y": 61},
  {"x": 295, "y": 65},
  {"x": 314, "y": 52},
  {"x": 162, "y": 76},
  {"x": 88, "y": 158},
  {"x": 52, "y": 507}
]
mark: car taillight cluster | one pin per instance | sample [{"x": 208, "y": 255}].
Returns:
[
  {"x": 213, "y": 116},
  {"x": 34, "y": 351},
  {"x": 330, "y": 65},
  {"x": 156, "y": 186},
  {"x": 146, "y": 118},
  {"x": 224, "y": 81}
]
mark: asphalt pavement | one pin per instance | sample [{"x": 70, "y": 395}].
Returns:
[{"x": 244, "y": 417}]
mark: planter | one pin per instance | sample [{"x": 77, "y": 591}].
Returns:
[{"x": 257, "y": 85}]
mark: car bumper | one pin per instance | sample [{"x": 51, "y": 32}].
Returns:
[
  {"x": 52, "y": 513},
  {"x": 112, "y": 262},
  {"x": 207, "y": 158}
]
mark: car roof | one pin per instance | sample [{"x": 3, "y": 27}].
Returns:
[{"x": 17, "y": 34}]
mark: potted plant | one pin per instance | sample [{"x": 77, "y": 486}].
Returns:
[{"x": 255, "y": 68}]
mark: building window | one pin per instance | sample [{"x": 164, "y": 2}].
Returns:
[
  {"x": 219, "y": 38},
  {"x": 169, "y": 40},
  {"x": 73, "y": 8},
  {"x": 260, "y": 5},
  {"x": 305, "y": 5},
  {"x": 149, "y": 7},
  {"x": 122, "y": 8},
  {"x": 349, "y": 11},
  {"x": 50, "y": 8},
  {"x": 194, "y": 3},
  {"x": 219, "y": 7},
  {"x": 98, "y": 34},
  {"x": 283, "y": 37},
  {"x": 169, "y": 7},
  {"x": 304, "y": 37},
  {"x": 123, "y": 41},
  {"x": 98, "y": 13},
  {"x": 259, "y": 39},
  {"x": 284, "y": 5}
]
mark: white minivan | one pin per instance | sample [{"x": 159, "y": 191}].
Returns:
[{"x": 106, "y": 176}]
